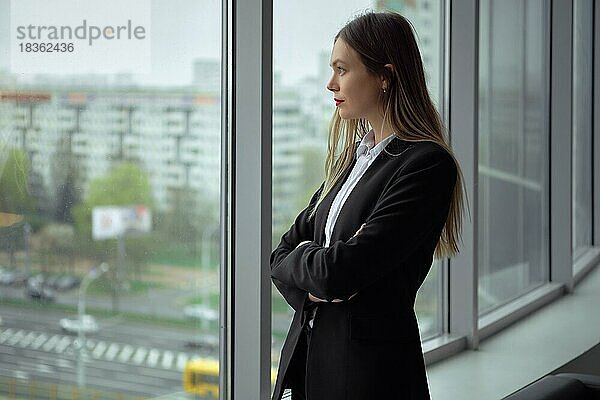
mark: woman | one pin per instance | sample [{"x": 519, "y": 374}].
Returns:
[{"x": 353, "y": 260}]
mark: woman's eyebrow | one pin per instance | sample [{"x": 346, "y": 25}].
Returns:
[{"x": 337, "y": 61}]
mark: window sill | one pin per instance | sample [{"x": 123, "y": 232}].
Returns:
[{"x": 527, "y": 350}]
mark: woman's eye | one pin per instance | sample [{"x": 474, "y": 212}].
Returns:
[{"x": 340, "y": 70}]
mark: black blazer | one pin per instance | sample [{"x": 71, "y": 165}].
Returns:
[{"x": 367, "y": 347}]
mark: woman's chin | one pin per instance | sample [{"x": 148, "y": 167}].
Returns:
[{"x": 344, "y": 114}]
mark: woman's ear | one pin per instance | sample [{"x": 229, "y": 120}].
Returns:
[{"x": 386, "y": 77}]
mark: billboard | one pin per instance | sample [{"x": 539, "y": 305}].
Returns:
[{"x": 110, "y": 222}]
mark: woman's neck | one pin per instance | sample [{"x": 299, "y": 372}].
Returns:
[{"x": 381, "y": 134}]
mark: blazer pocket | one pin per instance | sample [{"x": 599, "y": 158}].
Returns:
[{"x": 377, "y": 329}]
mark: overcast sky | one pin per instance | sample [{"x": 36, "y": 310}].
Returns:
[{"x": 185, "y": 30}]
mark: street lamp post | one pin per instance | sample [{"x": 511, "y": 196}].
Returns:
[{"x": 87, "y": 279}]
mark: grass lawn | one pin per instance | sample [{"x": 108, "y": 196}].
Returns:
[
  {"x": 279, "y": 306},
  {"x": 129, "y": 316}
]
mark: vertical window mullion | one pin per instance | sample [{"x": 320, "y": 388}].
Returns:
[
  {"x": 561, "y": 258},
  {"x": 247, "y": 308},
  {"x": 596, "y": 126},
  {"x": 463, "y": 120}
]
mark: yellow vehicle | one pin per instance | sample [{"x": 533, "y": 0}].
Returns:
[{"x": 201, "y": 377}]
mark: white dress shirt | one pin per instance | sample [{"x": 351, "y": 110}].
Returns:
[{"x": 365, "y": 155}]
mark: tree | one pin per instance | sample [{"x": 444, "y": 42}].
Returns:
[
  {"x": 189, "y": 214},
  {"x": 124, "y": 185},
  {"x": 313, "y": 160},
  {"x": 15, "y": 196},
  {"x": 67, "y": 195},
  {"x": 11, "y": 239},
  {"x": 311, "y": 177},
  {"x": 66, "y": 179},
  {"x": 56, "y": 242}
]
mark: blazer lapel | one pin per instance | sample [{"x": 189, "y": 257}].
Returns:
[
  {"x": 323, "y": 209},
  {"x": 393, "y": 149}
]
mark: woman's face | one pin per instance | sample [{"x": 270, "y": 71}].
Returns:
[{"x": 355, "y": 90}]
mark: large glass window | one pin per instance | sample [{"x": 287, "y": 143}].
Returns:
[
  {"x": 582, "y": 126},
  {"x": 427, "y": 18},
  {"x": 513, "y": 149},
  {"x": 302, "y": 110},
  {"x": 109, "y": 217}
]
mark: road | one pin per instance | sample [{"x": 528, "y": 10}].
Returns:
[
  {"x": 160, "y": 302},
  {"x": 134, "y": 358}
]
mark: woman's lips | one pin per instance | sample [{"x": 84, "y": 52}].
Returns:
[{"x": 338, "y": 102}]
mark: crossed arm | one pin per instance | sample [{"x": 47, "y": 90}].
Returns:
[
  {"x": 314, "y": 298},
  {"x": 413, "y": 204}
]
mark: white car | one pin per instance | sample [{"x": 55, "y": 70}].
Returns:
[
  {"x": 199, "y": 311},
  {"x": 73, "y": 325}
]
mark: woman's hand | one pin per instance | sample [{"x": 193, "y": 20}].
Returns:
[
  {"x": 315, "y": 299},
  {"x": 359, "y": 229},
  {"x": 303, "y": 242},
  {"x": 308, "y": 241}
]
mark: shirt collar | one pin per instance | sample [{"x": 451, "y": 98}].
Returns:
[{"x": 366, "y": 145}]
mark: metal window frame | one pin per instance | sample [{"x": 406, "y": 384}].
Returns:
[
  {"x": 587, "y": 261},
  {"x": 561, "y": 142},
  {"x": 463, "y": 119},
  {"x": 245, "y": 330},
  {"x": 246, "y": 84},
  {"x": 596, "y": 126}
]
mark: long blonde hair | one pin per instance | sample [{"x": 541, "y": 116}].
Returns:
[{"x": 387, "y": 38}]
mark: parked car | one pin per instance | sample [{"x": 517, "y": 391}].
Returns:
[
  {"x": 12, "y": 277},
  {"x": 36, "y": 288},
  {"x": 200, "y": 311},
  {"x": 87, "y": 324},
  {"x": 65, "y": 282},
  {"x": 51, "y": 281}
]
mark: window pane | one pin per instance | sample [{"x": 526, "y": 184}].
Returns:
[
  {"x": 302, "y": 108},
  {"x": 513, "y": 151},
  {"x": 302, "y": 111},
  {"x": 426, "y": 17},
  {"x": 134, "y": 158},
  {"x": 582, "y": 126}
]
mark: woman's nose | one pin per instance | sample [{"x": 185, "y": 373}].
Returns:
[{"x": 332, "y": 86}]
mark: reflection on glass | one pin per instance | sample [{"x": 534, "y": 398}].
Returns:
[
  {"x": 582, "y": 126},
  {"x": 513, "y": 156},
  {"x": 119, "y": 169},
  {"x": 302, "y": 110}
]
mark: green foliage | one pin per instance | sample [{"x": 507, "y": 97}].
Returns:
[
  {"x": 177, "y": 254},
  {"x": 66, "y": 178},
  {"x": 11, "y": 238},
  {"x": 14, "y": 191},
  {"x": 56, "y": 242},
  {"x": 175, "y": 321},
  {"x": 104, "y": 286},
  {"x": 213, "y": 300},
  {"x": 125, "y": 184},
  {"x": 312, "y": 176},
  {"x": 313, "y": 161},
  {"x": 182, "y": 227}
]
